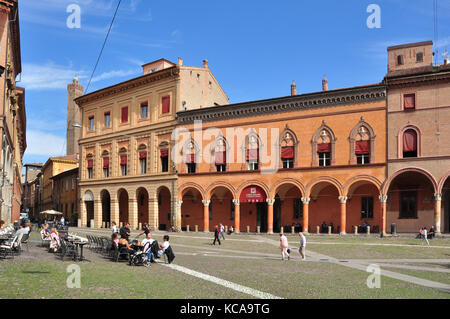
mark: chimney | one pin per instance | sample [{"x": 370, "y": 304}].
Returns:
[
  {"x": 205, "y": 64},
  {"x": 445, "y": 61},
  {"x": 324, "y": 83},
  {"x": 293, "y": 88},
  {"x": 180, "y": 62}
]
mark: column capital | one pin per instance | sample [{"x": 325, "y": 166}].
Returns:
[
  {"x": 383, "y": 198},
  {"x": 343, "y": 199},
  {"x": 270, "y": 201},
  {"x": 179, "y": 203},
  {"x": 206, "y": 202},
  {"x": 236, "y": 202},
  {"x": 437, "y": 197},
  {"x": 306, "y": 200}
]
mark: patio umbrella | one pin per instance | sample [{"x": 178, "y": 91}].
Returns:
[{"x": 50, "y": 212}]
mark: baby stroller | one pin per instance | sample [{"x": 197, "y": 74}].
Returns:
[{"x": 139, "y": 258}]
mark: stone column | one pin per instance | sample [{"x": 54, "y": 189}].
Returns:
[
  {"x": 343, "y": 200},
  {"x": 178, "y": 213},
  {"x": 153, "y": 213},
  {"x": 305, "y": 201},
  {"x": 98, "y": 213},
  {"x": 115, "y": 211},
  {"x": 133, "y": 212},
  {"x": 83, "y": 213},
  {"x": 270, "y": 202},
  {"x": 437, "y": 213},
  {"x": 206, "y": 215},
  {"x": 237, "y": 215},
  {"x": 383, "y": 201}
]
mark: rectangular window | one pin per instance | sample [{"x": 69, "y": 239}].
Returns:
[
  {"x": 165, "y": 104},
  {"x": 288, "y": 163},
  {"x": 144, "y": 110},
  {"x": 73, "y": 183},
  {"x": 287, "y": 156},
  {"x": 366, "y": 207},
  {"x": 90, "y": 175},
  {"x": 408, "y": 204},
  {"x": 409, "y": 101},
  {"x": 362, "y": 152},
  {"x": 164, "y": 159},
  {"x": 123, "y": 165},
  {"x": 66, "y": 184},
  {"x": 107, "y": 119},
  {"x": 232, "y": 210},
  {"x": 400, "y": 60},
  {"x": 124, "y": 114},
  {"x": 191, "y": 168},
  {"x": 324, "y": 159},
  {"x": 143, "y": 165},
  {"x": 298, "y": 208},
  {"x": 221, "y": 168},
  {"x": 106, "y": 172},
  {"x": 252, "y": 158},
  {"x": 419, "y": 57},
  {"x": 91, "y": 123}
]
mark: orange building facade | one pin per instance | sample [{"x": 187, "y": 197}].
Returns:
[{"x": 301, "y": 161}]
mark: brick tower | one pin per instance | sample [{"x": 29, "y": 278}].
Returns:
[{"x": 74, "y": 90}]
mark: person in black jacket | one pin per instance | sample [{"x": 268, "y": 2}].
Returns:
[
  {"x": 216, "y": 235},
  {"x": 125, "y": 231}
]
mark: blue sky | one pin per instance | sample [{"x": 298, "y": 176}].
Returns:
[{"x": 255, "y": 48}]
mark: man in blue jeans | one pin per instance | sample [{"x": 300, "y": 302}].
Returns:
[{"x": 147, "y": 243}]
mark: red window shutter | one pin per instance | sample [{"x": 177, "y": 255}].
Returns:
[
  {"x": 166, "y": 104},
  {"x": 409, "y": 101},
  {"x": 287, "y": 152},
  {"x": 164, "y": 152},
  {"x": 324, "y": 148},
  {"x": 221, "y": 158},
  {"x": 362, "y": 147},
  {"x": 125, "y": 114},
  {"x": 409, "y": 141},
  {"x": 123, "y": 160},
  {"x": 90, "y": 163},
  {"x": 252, "y": 155},
  {"x": 142, "y": 155},
  {"x": 105, "y": 162},
  {"x": 190, "y": 158}
]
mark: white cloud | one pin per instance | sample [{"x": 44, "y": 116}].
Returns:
[
  {"x": 114, "y": 74},
  {"x": 49, "y": 76},
  {"x": 42, "y": 143}
]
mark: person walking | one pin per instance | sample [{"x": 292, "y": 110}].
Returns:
[
  {"x": 114, "y": 228},
  {"x": 425, "y": 236},
  {"x": 216, "y": 235},
  {"x": 284, "y": 247},
  {"x": 302, "y": 249},
  {"x": 222, "y": 231}
]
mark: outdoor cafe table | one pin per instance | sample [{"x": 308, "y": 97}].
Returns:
[
  {"x": 4, "y": 238},
  {"x": 78, "y": 243}
]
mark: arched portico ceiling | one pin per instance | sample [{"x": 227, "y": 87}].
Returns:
[
  {"x": 284, "y": 185},
  {"x": 318, "y": 184},
  {"x": 444, "y": 183},
  {"x": 412, "y": 171},
  {"x": 192, "y": 189},
  {"x": 220, "y": 187},
  {"x": 250, "y": 183},
  {"x": 352, "y": 184}
]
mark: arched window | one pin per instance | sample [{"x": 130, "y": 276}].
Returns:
[
  {"x": 90, "y": 166},
  {"x": 189, "y": 151},
  {"x": 288, "y": 145},
  {"x": 362, "y": 141},
  {"x": 142, "y": 149},
  {"x": 252, "y": 145},
  {"x": 323, "y": 144},
  {"x": 410, "y": 143},
  {"x": 105, "y": 156},
  {"x": 123, "y": 161},
  {"x": 219, "y": 154}
]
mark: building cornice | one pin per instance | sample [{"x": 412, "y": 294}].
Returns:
[
  {"x": 128, "y": 85},
  {"x": 418, "y": 79},
  {"x": 347, "y": 96}
]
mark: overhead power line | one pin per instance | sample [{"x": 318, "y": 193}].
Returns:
[{"x": 103, "y": 46}]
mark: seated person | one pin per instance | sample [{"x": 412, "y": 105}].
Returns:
[
  {"x": 163, "y": 247},
  {"x": 24, "y": 229},
  {"x": 431, "y": 232},
  {"x": 324, "y": 227},
  {"x": 115, "y": 239},
  {"x": 147, "y": 244},
  {"x": 366, "y": 224},
  {"x": 47, "y": 231},
  {"x": 123, "y": 243},
  {"x": 55, "y": 241},
  {"x": 230, "y": 230}
]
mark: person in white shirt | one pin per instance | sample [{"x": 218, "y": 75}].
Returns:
[
  {"x": 425, "y": 236},
  {"x": 222, "y": 231},
  {"x": 302, "y": 249},
  {"x": 62, "y": 220},
  {"x": 163, "y": 247},
  {"x": 114, "y": 228},
  {"x": 23, "y": 230},
  {"x": 147, "y": 244}
]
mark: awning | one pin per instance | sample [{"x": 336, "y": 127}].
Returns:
[
  {"x": 221, "y": 158},
  {"x": 287, "y": 152},
  {"x": 362, "y": 147},
  {"x": 253, "y": 194},
  {"x": 324, "y": 148}
]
